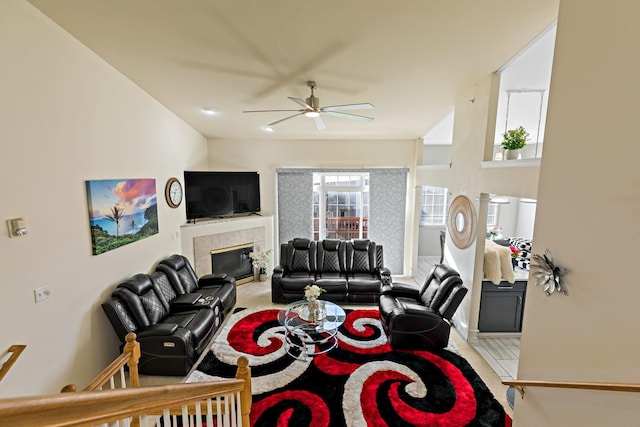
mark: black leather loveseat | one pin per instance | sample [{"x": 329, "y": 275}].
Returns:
[
  {"x": 173, "y": 314},
  {"x": 348, "y": 270}
]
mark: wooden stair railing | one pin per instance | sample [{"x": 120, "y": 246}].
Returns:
[
  {"x": 91, "y": 408},
  {"x": 13, "y": 353},
  {"x": 519, "y": 385},
  {"x": 228, "y": 401},
  {"x": 129, "y": 357}
]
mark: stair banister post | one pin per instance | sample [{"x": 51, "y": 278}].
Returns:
[
  {"x": 133, "y": 348},
  {"x": 69, "y": 388},
  {"x": 244, "y": 373}
]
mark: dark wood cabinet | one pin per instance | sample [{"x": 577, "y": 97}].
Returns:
[{"x": 501, "y": 306}]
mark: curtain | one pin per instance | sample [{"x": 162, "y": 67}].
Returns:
[
  {"x": 387, "y": 208},
  {"x": 295, "y": 204},
  {"x": 387, "y": 204}
]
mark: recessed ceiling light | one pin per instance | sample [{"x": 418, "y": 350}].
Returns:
[
  {"x": 208, "y": 111},
  {"x": 268, "y": 129}
]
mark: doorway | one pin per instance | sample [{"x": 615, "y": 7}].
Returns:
[{"x": 510, "y": 222}]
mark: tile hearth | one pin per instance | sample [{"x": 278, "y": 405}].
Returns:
[
  {"x": 203, "y": 245},
  {"x": 200, "y": 238}
]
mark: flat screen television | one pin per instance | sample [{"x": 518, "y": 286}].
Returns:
[{"x": 211, "y": 194}]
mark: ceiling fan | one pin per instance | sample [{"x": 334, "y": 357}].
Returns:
[{"x": 311, "y": 108}]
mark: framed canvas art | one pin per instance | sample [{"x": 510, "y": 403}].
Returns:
[{"x": 121, "y": 211}]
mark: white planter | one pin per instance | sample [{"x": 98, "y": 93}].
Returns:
[{"x": 512, "y": 154}]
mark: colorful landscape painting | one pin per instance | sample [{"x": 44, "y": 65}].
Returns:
[{"x": 121, "y": 211}]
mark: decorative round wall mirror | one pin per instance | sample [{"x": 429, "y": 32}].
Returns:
[{"x": 461, "y": 222}]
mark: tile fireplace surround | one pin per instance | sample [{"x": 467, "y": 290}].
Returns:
[{"x": 199, "y": 239}]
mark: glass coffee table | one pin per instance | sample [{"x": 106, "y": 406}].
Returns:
[{"x": 305, "y": 337}]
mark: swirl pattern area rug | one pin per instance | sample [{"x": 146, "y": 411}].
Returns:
[{"x": 362, "y": 382}]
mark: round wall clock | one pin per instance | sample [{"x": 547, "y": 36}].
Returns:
[{"x": 173, "y": 192}]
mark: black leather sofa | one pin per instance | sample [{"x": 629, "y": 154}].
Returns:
[
  {"x": 349, "y": 271},
  {"x": 183, "y": 278},
  {"x": 173, "y": 323},
  {"x": 418, "y": 317}
]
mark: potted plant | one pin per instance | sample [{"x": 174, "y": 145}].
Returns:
[
  {"x": 515, "y": 253},
  {"x": 495, "y": 232},
  {"x": 513, "y": 141},
  {"x": 260, "y": 260}
]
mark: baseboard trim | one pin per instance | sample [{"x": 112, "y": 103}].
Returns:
[{"x": 499, "y": 335}]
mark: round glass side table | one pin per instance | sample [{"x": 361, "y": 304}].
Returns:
[{"x": 306, "y": 337}]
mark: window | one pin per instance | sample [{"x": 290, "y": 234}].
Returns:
[
  {"x": 434, "y": 205},
  {"x": 340, "y": 205},
  {"x": 492, "y": 214},
  {"x": 524, "y": 92}
]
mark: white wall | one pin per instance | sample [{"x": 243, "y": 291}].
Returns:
[
  {"x": 429, "y": 240},
  {"x": 473, "y": 129},
  {"x": 436, "y": 154},
  {"x": 526, "y": 220},
  {"x": 437, "y": 142},
  {"x": 67, "y": 117},
  {"x": 266, "y": 156},
  {"x": 590, "y": 335},
  {"x": 517, "y": 218}
]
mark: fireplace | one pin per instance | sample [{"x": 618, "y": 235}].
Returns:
[
  {"x": 199, "y": 240},
  {"x": 234, "y": 261}
]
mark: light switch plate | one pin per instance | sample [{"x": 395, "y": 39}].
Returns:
[{"x": 41, "y": 293}]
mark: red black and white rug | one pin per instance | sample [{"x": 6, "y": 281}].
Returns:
[{"x": 363, "y": 382}]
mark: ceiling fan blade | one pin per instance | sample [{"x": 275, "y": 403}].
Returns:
[
  {"x": 267, "y": 111},
  {"x": 319, "y": 123},
  {"x": 349, "y": 116},
  {"x": 300, "y": 102},
  {"x": 282, "y": 120},
  {"x": 365, "y": 106}
]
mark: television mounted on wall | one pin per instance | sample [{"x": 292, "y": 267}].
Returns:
[{"x": 213, "y": 194}]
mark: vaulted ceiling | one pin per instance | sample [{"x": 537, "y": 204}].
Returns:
[{"x": 411, "y": 59}]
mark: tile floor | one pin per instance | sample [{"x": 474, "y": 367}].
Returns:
[{"x": 500, "y": 353}]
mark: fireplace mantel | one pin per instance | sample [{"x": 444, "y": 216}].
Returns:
[{"x": 199, "y": 239}]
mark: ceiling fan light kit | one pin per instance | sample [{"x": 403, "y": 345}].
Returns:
[{"x": 311, "y": 108}]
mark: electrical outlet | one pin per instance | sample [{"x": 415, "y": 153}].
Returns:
[{"x": 41, "y": 293}]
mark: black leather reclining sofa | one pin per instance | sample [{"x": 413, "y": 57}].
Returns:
[
  {"x": 173, "y": 313},
  {"x": 348, "y": 270}
]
